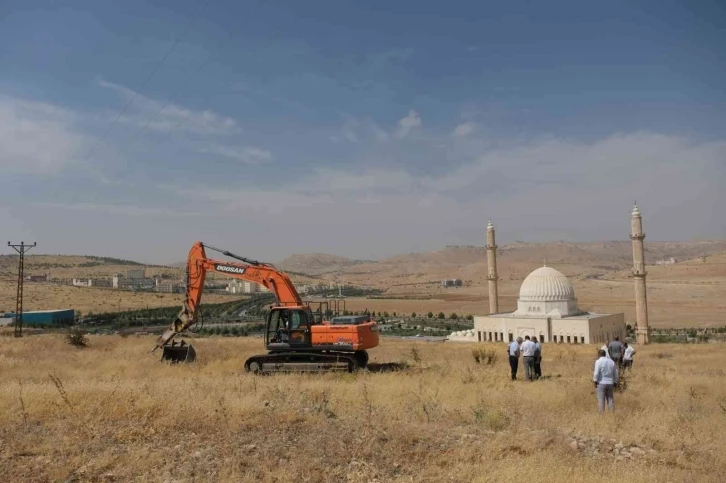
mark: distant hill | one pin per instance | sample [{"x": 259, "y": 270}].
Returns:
[
  {"x": 76, "y": 266},
  {"x": 514, "y": 261},
  {"x": 316, "y": 263}
]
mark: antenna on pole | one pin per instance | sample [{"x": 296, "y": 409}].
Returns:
[{"x": 21, "y": 249}]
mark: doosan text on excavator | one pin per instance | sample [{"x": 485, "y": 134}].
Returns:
[{"x": 297, "y": 338}]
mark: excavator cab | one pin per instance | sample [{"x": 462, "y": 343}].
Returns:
[{"x": 289, "y": 328}]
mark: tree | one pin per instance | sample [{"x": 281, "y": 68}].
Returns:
[
  {"x": 469, "y": 317},
  {"x": 453, "y": 316},
  {"x": 385, "y": 314},
  {"x": 394, "y": 314},
  {"x": 430, "y": 315},
  {"x": 413, "y": 315},
  {"x": 442, "y": 315}
]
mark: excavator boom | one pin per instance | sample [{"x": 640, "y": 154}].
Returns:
[{"x": 252, "y": 271}]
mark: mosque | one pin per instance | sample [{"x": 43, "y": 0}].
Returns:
[{"x": 547, "y": 308}]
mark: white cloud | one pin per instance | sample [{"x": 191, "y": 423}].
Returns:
[
  {"x": 358, "y": 130},
  {"x": 462, "y": 130},
  {"x": 158, "y": 116},
  {"x": 38, "y": 138},
  {"x": 406, "y": 124},
  {"x": 550, "y": 189},
  {"x": 246, "y": 155}
]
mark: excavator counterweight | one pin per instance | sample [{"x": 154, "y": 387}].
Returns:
[{"x": 296, "y": 340}]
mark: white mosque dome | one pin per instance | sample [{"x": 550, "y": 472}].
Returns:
[{"x": 546, "y": 285}]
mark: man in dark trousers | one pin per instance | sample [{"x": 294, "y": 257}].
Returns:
[
  {"x": 537, "y": 358},
  {"x": 615, "y": 349},
  {"x": 513, "y": 351}
]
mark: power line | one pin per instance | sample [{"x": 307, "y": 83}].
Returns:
[
  {"x": 21, "y": 249},
  {"x": 196, "y": 71},
  {"x": 153, "y": 72}
]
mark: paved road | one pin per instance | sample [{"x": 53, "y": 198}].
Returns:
[{"x": 426, "y": 338}]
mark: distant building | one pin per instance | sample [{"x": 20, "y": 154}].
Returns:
[
  {"x": 91, "y": 282},
  {"x": 135, "y": 273},
  {"x": 666, "y": 261},
  {"x": 45, "y": 317},
  {"x": 37, "y": 278},
  {"x": 238, "y": 287},
  {"x": 167, "y": 286},
  {"x": 452, "y": 282},
  {"x": 546, "y": 310},
  {"x": 118, "y": 281}
]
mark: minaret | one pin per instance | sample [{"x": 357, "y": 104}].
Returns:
[
  {"x": 641, "y": 298},
  {"x": 492, "y": 270}
]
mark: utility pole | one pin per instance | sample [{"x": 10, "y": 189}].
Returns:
[{"x": 21, "y": 249}]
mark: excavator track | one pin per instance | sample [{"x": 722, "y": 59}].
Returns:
[{"x": 301, "y": 362}]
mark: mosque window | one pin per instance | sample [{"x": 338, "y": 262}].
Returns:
[
  {"x": 568, "y": 340},
  {"x": 490, "y": 336},
  {"x": 511, "y": 337},
  {"x": 582, "y": 339}
]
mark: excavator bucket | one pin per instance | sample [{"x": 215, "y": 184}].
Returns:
[{"x": 178, "y": 352}]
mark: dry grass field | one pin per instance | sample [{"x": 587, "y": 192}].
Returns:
[{"x": 113, "y": 412}]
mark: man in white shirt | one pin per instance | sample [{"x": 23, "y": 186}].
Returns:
[
  {"x": 605, "y": 378},
  {"x": 528, "y": 352},
  {"x": 513, "y": 351},
  {"x": 628, "y": 356}
]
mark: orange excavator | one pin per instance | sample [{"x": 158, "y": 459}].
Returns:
[{"x": 297, "y": 338}]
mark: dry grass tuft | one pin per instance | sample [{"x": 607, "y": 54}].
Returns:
[{"x": 114, "y": 412}]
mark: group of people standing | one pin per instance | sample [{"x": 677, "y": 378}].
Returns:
[
  {"x": 620, "y": 352},
  {"x": 613, "y": 357},
  {"x": 531, "y": 352}
]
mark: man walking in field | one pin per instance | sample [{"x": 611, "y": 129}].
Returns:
[
  {"x": 537, "y": 359},
  {"x": 529, "y": 350},
  {"x": 616, "y": 351},
  {"x": 513, "y": 350},
  {"x": 628, "y": 356},
  {"x": 605, "y": 378}
]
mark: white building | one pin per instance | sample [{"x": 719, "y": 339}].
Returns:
[
  {"x": 452, "y": 282},
  {"x": 238, "y": 286},
  {"x": 546, "y": 309}
]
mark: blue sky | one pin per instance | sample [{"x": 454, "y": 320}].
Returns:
[{"x": 363, "y": 129}]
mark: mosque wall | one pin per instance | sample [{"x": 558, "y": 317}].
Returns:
[
  {"x": 570, "y": 330},
  {"x": 606, "y": 327}
]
